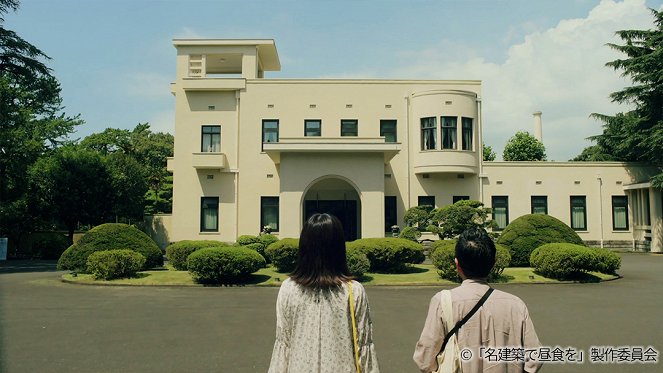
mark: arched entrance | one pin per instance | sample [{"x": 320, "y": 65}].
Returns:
[{"x": 338, "y": 197}]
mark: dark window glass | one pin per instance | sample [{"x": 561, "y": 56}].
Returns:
[
  {"x": 270, "y": 130},
  {"x": 426, "y": 201},
  {"x": 312, "y": 127},
  {"x": 388, "y": 130},
  {"x": 349, "y": 127},
  {"x": 390, "y": 212},
  {"x": 500, "y": 211},
  {"x": 620, "y": 213},
  {"x": 209, "y": 214},
  {"x": 468, "y": 129},
  {"x": 211, "y": 139},
  {"x": 269, "y": 213},
  {"x": 428, "y": 133},
  {"x": 579, "y": 213},
  {"x": 539, "y": 205},
  {"x": 449, "y": 128},
  {"x": 460, "y": 198}
]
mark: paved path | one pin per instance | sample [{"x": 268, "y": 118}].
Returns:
[{"x": 49, "y": 326}]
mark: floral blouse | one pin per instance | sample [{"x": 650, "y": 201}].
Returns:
[{"x": 314, "y": 330}]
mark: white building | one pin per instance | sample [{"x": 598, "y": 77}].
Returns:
[{"x": 252, "y": 151}]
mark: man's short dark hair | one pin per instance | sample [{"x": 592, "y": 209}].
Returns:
[{"x": 475, "y": 251}]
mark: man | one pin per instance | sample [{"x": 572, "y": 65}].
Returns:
[{"x": 500, "y": 336}]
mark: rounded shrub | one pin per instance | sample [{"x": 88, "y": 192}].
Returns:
[
  {"x": 247, "y": 239},
  {"x": 110, "y": 236},
  {"x": 268, "y": 239},
  {"x": 112, "y": 264},
  {"x": 390, "y": 255},
  {"x": 283, "y": 254},
  {"x": 528, "y": 232},
  {"x": 358, "y": 263},
  {"x": 563, "y": 260},
  {"x": 444, "y": 253},
  {"x": 410, "y": 233},
  {"x": 178, "y": 252},
  {"x": 223, "y": 265},
  {"x": 607, "y": 261}
]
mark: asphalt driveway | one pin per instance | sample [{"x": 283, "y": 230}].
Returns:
[{"x": 49, "y": 326}]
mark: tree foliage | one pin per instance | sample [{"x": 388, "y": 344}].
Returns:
[
  {"x": 488, "y": 153},
  {"x": 524, "y": 147},
  {"x": 450, "y": 221},
  {"x": 594, "y": 153},
  {"x": 637, "y": 135}
]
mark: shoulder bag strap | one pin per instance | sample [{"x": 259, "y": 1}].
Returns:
[
  {"x": 354, "y": 328},
  {"x": 466, "y": 318}
]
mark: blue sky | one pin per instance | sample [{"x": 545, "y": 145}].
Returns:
[{"x": 114, "y": 58}]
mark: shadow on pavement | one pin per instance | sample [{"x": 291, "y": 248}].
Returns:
[{"x": 26, "y": 266}]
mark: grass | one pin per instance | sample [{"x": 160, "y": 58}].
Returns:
[{"x": 419, "y": 274}]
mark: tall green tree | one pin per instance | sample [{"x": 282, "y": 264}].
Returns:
[
  {"x": 524, "y": 147},
  {"x": 594, "y": 153},
  {"x": 129, "y": 185},
  {"x": 31, "y": 122},
  {"x": 72, "y": 186},
  {"x": 637, "y": 135},
  {"x": 488, "y": 153}
]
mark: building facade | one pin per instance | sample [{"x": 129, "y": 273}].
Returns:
[{"x": 252, "y": 152}]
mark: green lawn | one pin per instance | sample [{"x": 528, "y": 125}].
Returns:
[{"x": 420, "y": 274}]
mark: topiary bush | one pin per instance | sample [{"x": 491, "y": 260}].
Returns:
[
  {"x": 110, "y": 236},
  {"x": 528, "y": 232},
  {"x": 283, "y": 254},
  {"x": 563, "y": 260},
  {"x": 268, "y": 239},
  {"x": 607, "y": 261},
  {"x": 444, "y": 253},
  {"x": 223, "y": 265},
  {"x": 410, "y": 233},
  {"x": 178, "y": 252},
  {"x": 358, "y": 263},
  {"x": 390, "y": 255},
  {"x": 112, "y": 264},
  {"x": 247, "y": 239}
]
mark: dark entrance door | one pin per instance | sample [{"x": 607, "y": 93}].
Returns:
[{"x": 345, "y": 211}]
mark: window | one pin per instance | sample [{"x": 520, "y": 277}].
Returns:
[
  {"x": 460, "y": 198},
  {"x": 388, "y": 130},
  {"x": 209, "y": 214},
  {"x": 211, "y": 139},
  {"x": 449, "y": 132},
  {"x": 426, "y": 201},
  {"x": 390, "y": 212},
  {"x": 540, "y": 205},
  {"x": 500, "y": 211},
  {"x": 620, "y": 213},
  {"x": 579, "y": 213},
  {"x": 312, "y": 127},
  {"x": 269, "y": 213},
  {"x": 467, "y": 133},
  {"x": 428, "y": 133},
  {"x": 270, "y": 130},
  {"x": 349, "y": 127}
]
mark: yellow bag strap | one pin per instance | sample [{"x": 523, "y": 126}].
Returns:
[{"x": 354, "y": 328}]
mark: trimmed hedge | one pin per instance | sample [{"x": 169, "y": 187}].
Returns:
[
  {"x": 444, "y": 253},
  {"x": 247, "y": 239},
  {"x": 283, "y": 254},
  {"x": 268, "y": 239},
  {"x": 178, "y": 252},
  {"x": 110, "y": 237},
  {"x": 390, "y": 255},
  {"x": 528, "y": 232},
  {"x": 410, "y": 233},
  {"x": 222, "y": 265},
  {"x": 608, "y": 262},
  {"x": 112, "y": 264},
  {"x": 566, "y": 261},
  {"x": 358, "y": 263}
]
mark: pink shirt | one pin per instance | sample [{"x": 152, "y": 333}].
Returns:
[{"x": 502, "y": 321}]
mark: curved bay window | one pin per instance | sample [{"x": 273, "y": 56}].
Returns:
[
  {"x": 449, "y": 129},
  {"x": 428, "y": 133}
]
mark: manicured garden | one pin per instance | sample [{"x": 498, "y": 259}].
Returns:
[{"x": 533, "y": 249}]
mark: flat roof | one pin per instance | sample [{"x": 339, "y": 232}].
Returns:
[{"x": 267, "y": 53}]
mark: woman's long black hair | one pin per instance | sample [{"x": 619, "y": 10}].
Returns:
[{"x": 321, "y": 262}]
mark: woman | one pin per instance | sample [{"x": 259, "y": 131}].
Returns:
[{"x": 313, "y": 323}]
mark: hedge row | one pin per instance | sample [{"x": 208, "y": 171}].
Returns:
[
  {"x": 391, "y": 255},
  {"x": 112, "y": 264},
  {"x": 110, "y": 236},
  {"x": 444, "y": 253},
  {"x": 222, "y": 265},
  {"x": 566, "y": 261},
  {"x": 178, "y": 252}
]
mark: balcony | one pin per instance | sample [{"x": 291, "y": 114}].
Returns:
[
  {"x": 209, "y": 161},
  {"x": 446, "y": 161},
  {"x": 331, "y": 145}
]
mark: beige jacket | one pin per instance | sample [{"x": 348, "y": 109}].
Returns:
[{"x": 502, "y": 322}]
